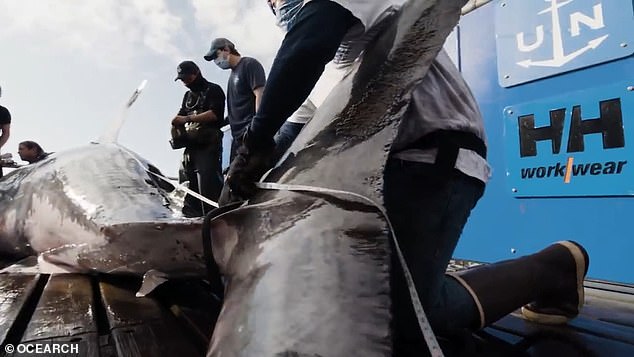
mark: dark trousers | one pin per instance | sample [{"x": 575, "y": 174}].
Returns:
[
  {"x": 428, "y": 209},
  {"x": 204, "y": 163}
]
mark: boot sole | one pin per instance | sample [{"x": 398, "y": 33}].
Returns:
[{"x": 582, "y": 262}]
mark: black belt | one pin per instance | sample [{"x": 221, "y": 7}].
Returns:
[{"x": 449, "y": 143}]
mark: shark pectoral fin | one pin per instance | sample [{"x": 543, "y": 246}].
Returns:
[
  {"x": 151, "y": 280},
  {"x": 35, "y": 265},
  {"x": 306, "y": 272}
]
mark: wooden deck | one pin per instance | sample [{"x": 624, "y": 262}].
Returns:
[
  {"x": 605, "y": 327},
  {"x": 104, "y": 317}
]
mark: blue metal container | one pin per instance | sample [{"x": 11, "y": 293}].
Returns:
[{"x": 555, "y": 83}]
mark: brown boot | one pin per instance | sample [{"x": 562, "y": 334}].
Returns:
[{"x": 550, "y": 281}]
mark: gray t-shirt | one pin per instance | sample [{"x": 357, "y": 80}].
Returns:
[
  {"x": 244, "y": 79},
  {"x": 442, "y": 101}
]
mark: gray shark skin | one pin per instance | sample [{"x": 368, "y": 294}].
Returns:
[
  {"x": 97, "y": 209},
  {"x": 308, "y": 271}
]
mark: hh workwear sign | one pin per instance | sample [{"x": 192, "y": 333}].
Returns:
[
  {"x": 577, "y": 144},
  {"x": 537, "y": 38}
]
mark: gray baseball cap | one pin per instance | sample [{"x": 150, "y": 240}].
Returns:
[{"x": 216, "y": 44}]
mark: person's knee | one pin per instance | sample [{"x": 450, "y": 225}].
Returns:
[
  {"x": 453, "y": 320},
  {"x": 440, "y": 322}
]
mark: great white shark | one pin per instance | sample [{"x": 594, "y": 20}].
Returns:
[
  {"x": 306, "y": 263},
  {"x": 99, "y": 208}
]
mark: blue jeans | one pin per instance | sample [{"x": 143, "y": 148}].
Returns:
[
  {"x": 285, "y": 137},
  {"x": 428, "y": 211}
]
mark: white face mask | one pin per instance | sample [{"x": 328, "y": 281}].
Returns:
[
  {"x": 286, "y": 13},
  {"x": 223, "y": 62}
]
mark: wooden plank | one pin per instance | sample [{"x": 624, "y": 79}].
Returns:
[
  {"x": 153, "y": 339},
  {"x": 607, "y": 313},
  {"x": 193, "y": 303},
  {"x": 15, "y": 290},
  {"x": 604, "y": 327},
  {"x": 123, "y": 308},
  {"x": 142, "y": 327},
  {"x": 65, "y": 309},
  {"x": 610, "y": 306},
  {"x": 580, "y": 337},
  {"x": 625, "y": 289}
]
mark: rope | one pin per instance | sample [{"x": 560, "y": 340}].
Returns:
[{"x": 185, "y": 189}]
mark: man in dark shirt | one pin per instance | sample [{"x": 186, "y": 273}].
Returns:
[
  {"x": 244, "y": 89},
  {"x": 197, "y": 129},
  {"x": 5, "y": 126}
]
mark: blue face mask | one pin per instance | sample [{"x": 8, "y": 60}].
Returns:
[
  {"x": 222, "y": 62},
  {"x": 287, "y": 12}
]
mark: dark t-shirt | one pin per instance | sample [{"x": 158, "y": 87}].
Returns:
[
  {"x": 5, "y": 116},
  {"x": 246, "y": 77},
  {"x": 212, "y": 99}
]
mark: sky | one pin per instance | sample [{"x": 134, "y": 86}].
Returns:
[{"x": 68, "y": 67}]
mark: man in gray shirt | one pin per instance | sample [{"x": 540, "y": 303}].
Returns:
[{"x": 244, "y": 88}]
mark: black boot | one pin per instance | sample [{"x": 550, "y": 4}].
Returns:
[
  {"x": 548, "y": 284},
  {"x": 563, "y": 303}
]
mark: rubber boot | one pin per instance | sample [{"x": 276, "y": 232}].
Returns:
[{"x": 548, "y": 284}]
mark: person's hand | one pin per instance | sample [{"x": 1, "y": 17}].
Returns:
[
  {"x": 179, "y": 120},
  {"x": 253, "y": 158},
  {"x": 10, "y": 164}
]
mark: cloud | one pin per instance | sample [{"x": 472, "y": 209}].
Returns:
[
  {"x": 110, "y": 32},
  {"x": 113, "y": 33},
  {"x": 247, "y": 23}
]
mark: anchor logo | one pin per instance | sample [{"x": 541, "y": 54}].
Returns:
[{"x": 560, "y": 58}]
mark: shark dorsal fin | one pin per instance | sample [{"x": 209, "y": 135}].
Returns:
[{"x": 111, "y": 134}]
